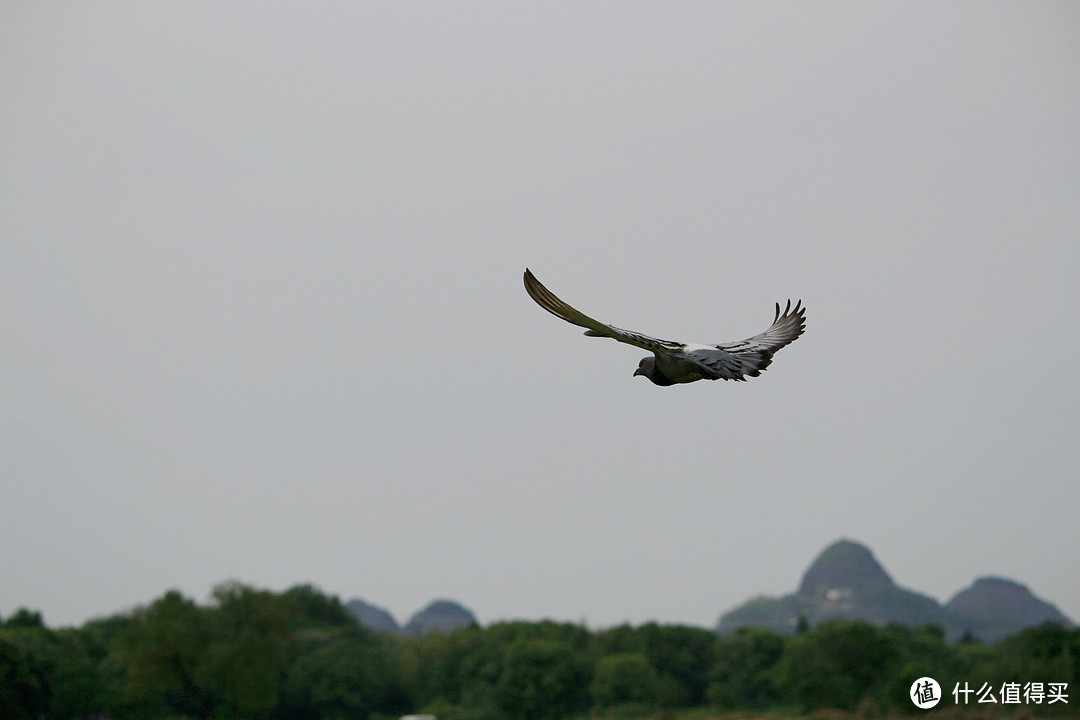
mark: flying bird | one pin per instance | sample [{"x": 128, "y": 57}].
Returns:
[{"x": 675, "y": 362}]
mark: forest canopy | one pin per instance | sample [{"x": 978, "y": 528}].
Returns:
[{"x": 300, "y": 654}]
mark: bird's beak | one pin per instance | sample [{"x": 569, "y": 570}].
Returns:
[{"x": 637, "y": 372}]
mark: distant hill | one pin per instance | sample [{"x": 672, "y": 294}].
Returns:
[
  {"x": 846, "y": 581},
  {"x": 372, "y": 616},
  {"x": 844, "y": 564},
  {"x": 439, "y": 616},
  {"x": 993, "y": 607}
]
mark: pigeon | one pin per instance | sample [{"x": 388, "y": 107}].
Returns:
[{"x": 674, "y": 362}]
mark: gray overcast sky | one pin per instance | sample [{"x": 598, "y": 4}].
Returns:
[{"x": 263, "y": 317}]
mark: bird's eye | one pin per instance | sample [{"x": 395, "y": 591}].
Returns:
[{"x": 641, "y": 364}]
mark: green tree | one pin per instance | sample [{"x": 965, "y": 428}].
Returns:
[
  {"x": 350, "y": 675},
  {"x": 450, "y": 668},
  {"x": 619, "y": 639},
  {"x": 681, "y": 656},
  {"x": 542, "y": 679},
  {"x": 624, "y": 678},
  {"x": 49, "y": 670},
  {"x": 742, "y": 675},
  {"x": 164, "y": 654},
  {"x": 1047, "y": 653},
  {"x": 250, "y": 649},
  {"x": 923, "y": 652},
  {"x": 23, "y": 695},
  {"x": 837, "y": 664},
  {"x": 25, "y": 618},
  {"x": 313, "y": 607},
  {"x": 1047, "y": 649},
  {"x": 458, "y": 673}
]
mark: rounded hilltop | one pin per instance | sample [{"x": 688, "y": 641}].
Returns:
[{"x": 844, "y": 565}]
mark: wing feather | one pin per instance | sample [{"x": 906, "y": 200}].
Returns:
[
  {"x": 737, "y": 360},
  {"x": 594, "y": 328},
  {"x": 785, "y": 328}
]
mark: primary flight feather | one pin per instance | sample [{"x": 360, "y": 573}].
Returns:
[{"x": 675, "y": 362}]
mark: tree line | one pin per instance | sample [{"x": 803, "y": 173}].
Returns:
[{"x": 300, "y": 655}]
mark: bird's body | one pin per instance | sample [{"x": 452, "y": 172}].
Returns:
[{"x": 673, "y": 363}]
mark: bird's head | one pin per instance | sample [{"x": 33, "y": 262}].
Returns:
[{"x": 646, "y": 367}]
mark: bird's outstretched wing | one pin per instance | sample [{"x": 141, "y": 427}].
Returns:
[
  {"x": 683, "y": 362},
  {"x": 786, "y": 327},
  {"x": 735, "y": 361},
  {"x": 594, "y": 328}
]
